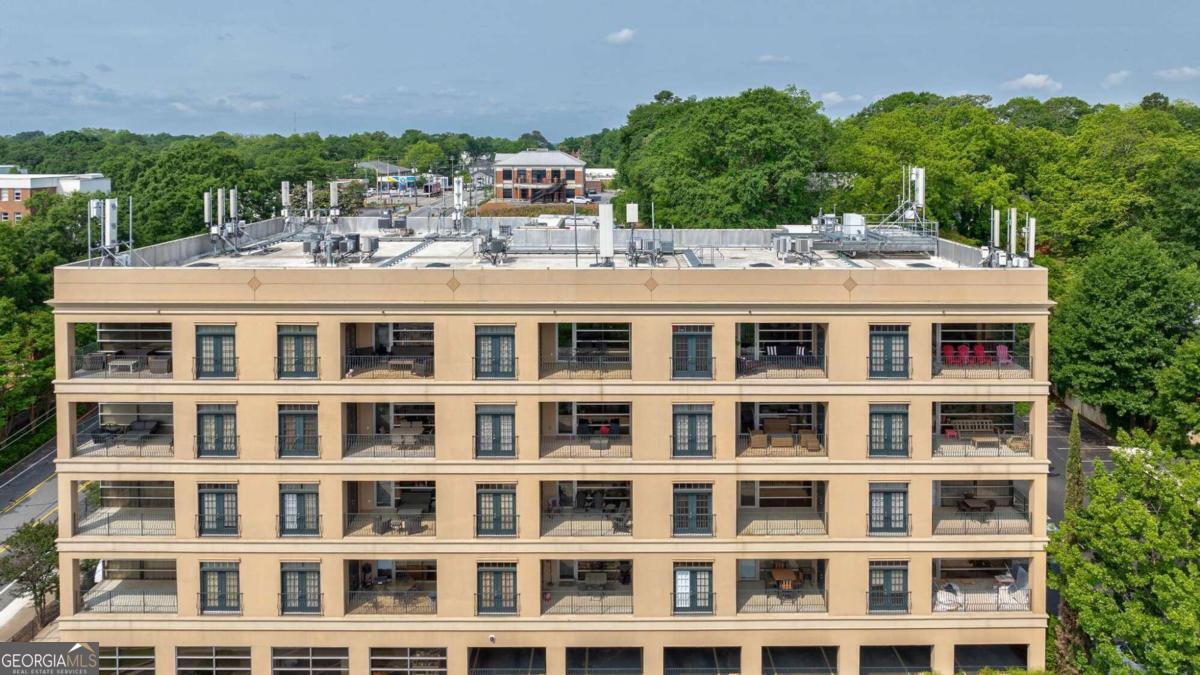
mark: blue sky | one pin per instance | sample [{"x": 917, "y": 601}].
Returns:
[{"x": 566, "y": 67}]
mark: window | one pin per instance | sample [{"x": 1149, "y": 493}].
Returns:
[
  {"x": 16, "y": 195},
  {"x": 496, "y": 510},
  {"x": 127, "y": 661},
  {"x": 692, "y": 436},
  {"x": 3, "y": 194},
  {"x": 889, "y": 352},
  {"x": 520, "y": 175},
  {"x": 570, "y": 192},
  {"x": 220, "y": 592},
  {"x": 17, "y": 216},
  {"x": 216, "y": 430},
  {"x": 408, "y": 661},
  {"x": 298, "y": 510},
  {"x": 888, "y": 509},
  {"x": 215, "y": 353},
  {"x": 212, "y": 660},
  {"x": 309, "y": 660},
  {"x": 495, "y": 352},
  {"x": 888, "y": 586},
  {"x": 218, "y": 510},
  {"x": 507, "y": 193},
  {"x": 4, "y": 216},
  {"x": 297, "y": 355},
  {"x": 570, "y": 174},
  {"x": 693, "y": 589},
  {"x": 691, "y": 352},
  {"x": 692, "y": 512},
  {"x": 298, "y": 430},
  {"x": 539, "y": 175},
  {"x": 495, "y": 431},
  {"x": 507, "y": 175},
  {"x": 497, "y": 584},
  {"x": 888, "y": 430},
  {"x": 301, "y": 584},
  {"x": 555, "y": 174}
]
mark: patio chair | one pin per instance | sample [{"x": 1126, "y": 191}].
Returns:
[
  {"x": 981, "y": 356},
  {"x": 95, "y": 361},
  {"x": 948, "y": 355},
  {"x": 1003, "y": 357},
  {"x": 964, "y": 355}
]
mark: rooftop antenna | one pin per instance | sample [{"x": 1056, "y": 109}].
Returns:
[
  {"x": 334, "y": 211},
  {"x": 605, "y": 234},
  {"x": 285, "y": 194},
  {"x": 110, "y": 247},
  {"x": 457, "y": 216},
  {"x": 1012, "y": 235},
  {"x": 1030, "y": 236}
]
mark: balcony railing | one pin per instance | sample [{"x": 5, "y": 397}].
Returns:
[
  {"x": 497, "y": 525},
  {"x": 898, "y": 447},
  {"x": 218, "y": 524},
  {"x": 587, "y": 602},
  {"x": 496, "y": 448},
  {"x": 889, "y": 602},
  {"x": 381, "y": 524},
  {"x": 805, "y": 443},
  {"x": 889, "y": 368},
  {"x": 497, "y": 603},
  {"x": 693, "y": 368},
  {"x": 692, "y": 524},
  {"x": 587, "y": 524},
  {"x": 387, "y": 367},
  {"x": 991, "y": 366},
  {"x": 219, "y": 603},
  {"x": 1001, "y": 520},
  {"x": 127, "y": 599},
  {"x": 208, "y": 368},
  {"x": 782, "y": 367},
  {"x": 221, "y": 446},
  {"x": 391, "y": 446},
  {"x": 127, "y": 521},
  {"x": 391, "y": 602},
  {"x": 780, "y": 522},
  {"x": 298, "y": 446},
  {"x": 995, "y": 444},
  {"x": 780, "y": 601},
  {"x": 301, "y": 603},
  {"x": 101, "y": 443},
  {"x": 961, "y": 595},
  {"x": 308, "y": 525},
  {"x": 587, "y": 446},
  {"x": 308, "y": 368},
  {"x": 885, "y": 525},
  {"x": 115, "y": 365},
  {"x": 489, "y": 370},
  {"x": 693, "y": 603},
  {"x": 588, "y": 367},
  {"x": 692, "y": 446}
]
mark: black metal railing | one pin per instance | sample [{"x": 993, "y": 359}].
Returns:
[
  {"x": 885, "y": 525},
  {"x": 588, "y": 367},
  {"x": 118, "y": 366},
  {"x": 218, "y": 446},
  {"x": 981, "y": 522},
  {"x": 497, "y": 603},
  {"x": 780, "y": 601},
  {"x": 301, "y": 603},
  {"x": 895, "y": 446},
  {"x": 762, "y": 444},
  {"x": 300, "y": 368},
  {"x": 692, "y": 446},
  {"x": 988, "y": 366},
  {"x": 392, "y": 446},
  {"x": 98, "y": 442},
  {"x": 498, "y": 447},
  {"x": 307, "y": 445},
  {"x": 693, "y": 368},
  {"x": 586, "y": 446},
  {"x": 781, "y": 367},
  {"x": 209, "y": 368},
  {"x": 993, "y": 600},
  {"x": 387, "y": 367},
  {"x": 127, "y": 521},
  {"x": 889, "y": 602},
  {"x": 494, "y": 369},
  {"x": 379, "y": 524},
  {"x": 692, "y": 524},
  {"x": 129, "y": 601},
  {"x": 997, "y": 444},
  {"x": 218, "y": 603},
  {"x": 587, "y": 524},
  {"x": 391, "y": 602},
  {"x": 889, "y": 368},
  {"x": 218, "y": 524},
  {"x": 776, "y": 522},
  {"x": 306, "y": 525},
  {"x": 496, "y": 525},
  {"x": 581, "y": 601},
  {"x": 694, "y": 602}
]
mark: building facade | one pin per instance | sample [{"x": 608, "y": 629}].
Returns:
[
  {"x": 282, "y": 468},
  {"x": 539, "y": 176},
  {"x": 17, "y": 188}
]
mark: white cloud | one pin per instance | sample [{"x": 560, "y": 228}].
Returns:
[
  {"x": 1114, "y": 79},
  {"x": 354, "y": 99},
  {"x": 1179, "y": 74},
  {"x": 773, "y": 58},
  {"x": 833, "y": 98},
  {"x": 621, "y": 37},
  {"x": 1034, "y": 82}
]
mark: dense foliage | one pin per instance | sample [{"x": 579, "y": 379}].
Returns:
[{"x": 30, "y": 563}]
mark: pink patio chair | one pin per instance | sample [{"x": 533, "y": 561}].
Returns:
[{"x": 1002, "y": 355}]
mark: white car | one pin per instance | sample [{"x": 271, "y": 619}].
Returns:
[{"x": 578, "y": 200}]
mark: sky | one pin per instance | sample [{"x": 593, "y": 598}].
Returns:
[{"x": 564, "y": 68}]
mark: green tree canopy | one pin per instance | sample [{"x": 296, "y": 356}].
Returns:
[{"x": 31, "y": 562}]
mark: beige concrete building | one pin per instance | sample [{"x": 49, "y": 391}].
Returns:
[{"x": 421, "y": 461}]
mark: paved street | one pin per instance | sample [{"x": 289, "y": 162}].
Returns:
[{"x": 27, "y": 492}]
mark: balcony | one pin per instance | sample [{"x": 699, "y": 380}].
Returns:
[
  {"x": 391, "y": 587},
  {"x": 584, "y": 430},
  {"x": 216, "y": 446},
  {"x": 124, "y": 350},
  {"x": 780, "y": 522},
  {"x": 384, "y": 601},
  {"x": 298, "y": 525},
  {"x": 210, "y": 368},
  {"x": 127, "y": 587},
  {"x": 584, "y": 351},
  {"x": 218, "y": 603},
  {"x": 587, "y": 446},
  {"x": 587, "y": 587},
  {"x": 981, "y": 508},
  {"x": 780, "y": 586},
  {"x": 127, "y": 430},
  {"x": 781, "y": 350},
  {"x": 587, "y": 367},
  {"x": 390, "y": 508},
  {"x": 989, "y": 519},
  {"x": 297, "y": 368},
  {"x": 982, "y": 429},
  {"x": 995, "y": 351},
  {"x": 580, "y": 601},
  {"x": 387, "y": 351},
  {"x": 586, "y": 508},
  {"x": 781, "y": 430},
  {"x": 301, "y": 603},
  {"x": 125, "y": 508},
  {"x": 218, "y": 524},
  {"x": 981, "y": 585},
  {"x": 396, "y": 445},
  {"x": 889, "y": 602},
  {"x": 506, "y": 661}
]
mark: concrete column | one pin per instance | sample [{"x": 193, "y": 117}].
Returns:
[
  {"x": 331, "y": 504},
  {"x": 751, "y": 658},
  {"x": 68, "y": 590},
  {"x": 529, "y": 508},
  {"x": 329, "y": 427},
  {"x": 920, "y": 341},
  {"x": 556, "y": 659},
  {"x": 724, "y": 346},
  {"x": 942, "y": 658},
  {"x": 67, "y": 489},
  {"x": 333, "y": 585},
  {"x": 847, "y": 657},
  {"x": 260, "y": 659},
  {"x": 652, "y": 659},
  {"x": 329, "y": 350},
  {"x": 183, "y": 350},
  {"x": 186, "y": 507},
  {"x": 360, "y": 658},
  {"x": 456, "y": 660}
]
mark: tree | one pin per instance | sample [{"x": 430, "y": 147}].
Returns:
[
  {"x": 1177, "y": 406},
  {"x": 32, "y": 564},
  {"x": 1119, "y": 321},
  {"x": 1069, "y": 641},
  {"x": 423, "y": 156},
  {"x": 1155, "y": 101},
  {"x": 1129, "y": 562}
]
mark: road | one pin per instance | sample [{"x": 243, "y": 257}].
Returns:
[{"x": 28, "y": 492}]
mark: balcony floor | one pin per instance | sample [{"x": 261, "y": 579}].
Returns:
[
  {"x": 117, "y": 448},
  {"x": 1008, "y": 371},
  {"x": 1004, "y": 520},
  {"x": 618, "y": 447},
  {"x": 797, "y": 448},
  {"x": 386, "y": 447},
  {"x": 754, "y": 597},
  {"x": 978, "y": 595},
  {"x": 411, "y": 601},
  {"x": 566, "y": 600},
  {"x": 594, "y": 524},
  {"x": 1009, "y": 446},
  {"x": 778, "y": 522},
  {"x": 132, "y": 597},
  {"x": 125, "y": 521},
  {"x": 369, "y": 525}
]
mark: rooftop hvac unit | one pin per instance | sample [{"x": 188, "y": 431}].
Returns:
[
  {"x": 854, "y": 226},
  {"x": 631, "y": 213},
  {"x": 802, "y": 245},
  {"x": 605, "y": 243},
  {"x": 370, "y": 245}
]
